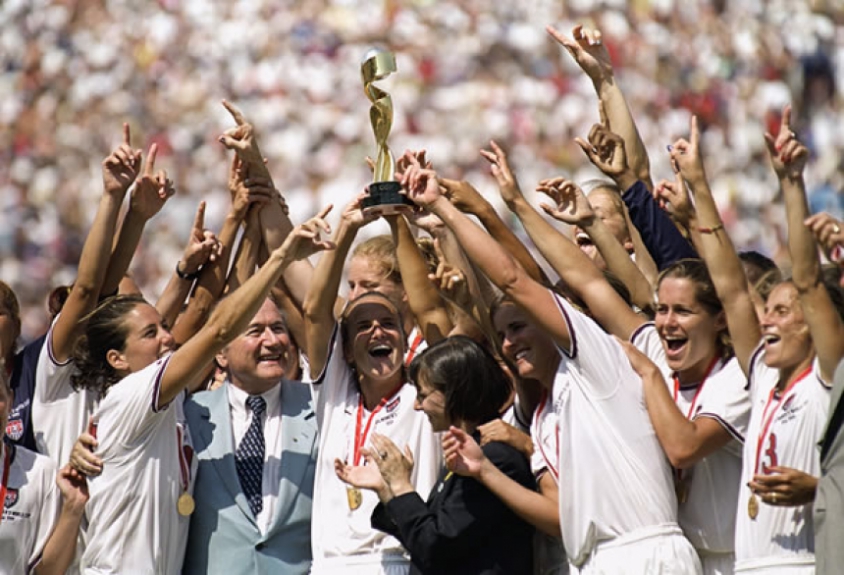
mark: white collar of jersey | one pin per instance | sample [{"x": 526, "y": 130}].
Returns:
[{"x": 237, "y": 400}]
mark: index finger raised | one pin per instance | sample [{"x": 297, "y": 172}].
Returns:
[
  {"x": 127, "y": 136},
  {"x": 199, "y": 218},
  {"x": 239, "y": 119}
]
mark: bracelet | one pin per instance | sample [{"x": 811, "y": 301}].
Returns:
[
  {"x": 711, "y": 230},
  {"x": 185, "y": 275}
]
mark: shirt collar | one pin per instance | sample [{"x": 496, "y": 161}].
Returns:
[{"x": 237, "y": 400}]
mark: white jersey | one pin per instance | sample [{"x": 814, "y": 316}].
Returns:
[
  {"x": 59, "y": 412},
  {"x": 134, "y": 526},
  {"x": 708, "y": 516},
  {"x": 614, "y": 476},
  {"x": 545, "y": 433},
  {"x": 789, "y": 428},
  {"x": 549, "y": 553},
  {"x": 30, "y": 509},
  {"x": 342, "y": 537}
]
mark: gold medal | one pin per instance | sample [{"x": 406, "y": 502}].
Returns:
[
  {"x": 354, "y": 496},
  {"x": 185, "y": 505},
  {"x": 753, "y": 506}
]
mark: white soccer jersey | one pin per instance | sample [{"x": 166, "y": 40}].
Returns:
[
  {"x": 614, "y": 476},
  {"x": 30, "y": 509},
  {"x": 59, "y": 412},
  {"x": 545, "y": 433},
  {"x": 134, "y": 526},
  {"x": 708, "y": 515},
  {"x": 789, "y": 427},
  {"x": 342, "y": 538}
]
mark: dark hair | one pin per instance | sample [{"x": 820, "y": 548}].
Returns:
[
  {"x": 696, "y": 272},
  {"x": 56, "y": 300},
  {"x": 474, "y": 385},
  {"x": 9, "y": 300},
  {"x": 761, "y": 271},
  {"x": 106, "y": 330}
]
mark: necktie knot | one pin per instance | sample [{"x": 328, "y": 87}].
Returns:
[{"x": 257, "y": 404}]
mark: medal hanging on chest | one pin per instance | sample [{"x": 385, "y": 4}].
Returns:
[
  {"x": 354, "y": 497},
  {"x": 185, "y": 503},
  {"x": 753, "y": 506}
]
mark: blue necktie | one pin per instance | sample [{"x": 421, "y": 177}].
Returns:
[{"x": 249, "y": 457}]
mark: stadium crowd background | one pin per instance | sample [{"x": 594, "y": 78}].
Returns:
[{"x": 469, "y": 70}]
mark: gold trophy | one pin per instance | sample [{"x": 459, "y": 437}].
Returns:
[{"x": 385, "y": 197}]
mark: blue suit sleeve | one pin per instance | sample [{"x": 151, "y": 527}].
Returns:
[{"x": 659, "y": 234}]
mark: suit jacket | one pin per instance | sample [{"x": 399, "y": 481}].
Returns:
[
  {"x": 829, "y": 498},
  {"x": 224, "y": 536},
  {"x": 463, "y": 529}
]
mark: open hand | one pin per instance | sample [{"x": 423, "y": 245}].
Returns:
[
  {"x": 570, "y": 204},
  {"x": 588, "y": 50},
  {"x": 507, "y": 184},
  {"x": 305, "y": 240}
]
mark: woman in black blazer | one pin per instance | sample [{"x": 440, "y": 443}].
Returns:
[{"x": 463, "y": 528}]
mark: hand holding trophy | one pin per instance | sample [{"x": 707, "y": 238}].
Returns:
[{"x": 385, "y": 197}]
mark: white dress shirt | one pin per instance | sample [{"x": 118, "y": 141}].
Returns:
[{"x": 241, "y": 419}]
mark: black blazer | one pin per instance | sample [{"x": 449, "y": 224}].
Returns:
[{"x": 463, "y": 528}]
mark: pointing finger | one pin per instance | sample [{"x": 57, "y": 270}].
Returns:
[
  {"x": 199, "y": 219},
  {"x": 150, "y": 166},
  {"x": 126, "y": 134},
  {"x": 235, "y": 113}
]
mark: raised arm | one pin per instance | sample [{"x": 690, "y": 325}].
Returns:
[
  {"x": 467, "y": 199},
  {"x": 119, "y": 172},
  {"x": 493, "y": 260},
  {"x": 574, "y": 267},
  {"x": 718, "y": 252},
  {"x": 201, "y": 245},
  {"x": 588, "y": 50},
  {"x": 423, "y": 297},
  {"x": 788, "y": 157},
  {"x": 149, "y": 195},
  {"x": 275, "y": 222},
  {"x": 188, "y": 364},
  {"x": 318, "y": 308},
  {"x": 245, "y": 192},
  {"x": 60, "y": 548},
  {"x": 607, "y": 151}
]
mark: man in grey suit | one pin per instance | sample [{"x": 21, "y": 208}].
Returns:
[
  {"x": 829, "y": 498},
  {"x": 255, "y": 441}
]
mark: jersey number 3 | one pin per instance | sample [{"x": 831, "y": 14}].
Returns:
[{"x": 770, "y": 454}]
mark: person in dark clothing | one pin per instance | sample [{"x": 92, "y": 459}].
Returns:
[{"x": 458, "y": 384}]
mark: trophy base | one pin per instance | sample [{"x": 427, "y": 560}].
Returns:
[{"x": 386, "y": 199}]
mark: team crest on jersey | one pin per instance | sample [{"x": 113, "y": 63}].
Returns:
[
  {"x": 14, "y": 429},
  {"x": 390, "y": 407},
  {"x": 11, "y": 498}
]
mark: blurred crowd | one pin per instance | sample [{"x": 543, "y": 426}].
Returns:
[{"x": 72, "y": 71}]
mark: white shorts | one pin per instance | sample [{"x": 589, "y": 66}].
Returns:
[
  {"x": 717, "y": 563},
  {"x": 375, "y": 564},
  {"x": 657, "y": 550},
  {"x": 800, "y": 565}
]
